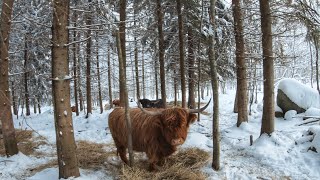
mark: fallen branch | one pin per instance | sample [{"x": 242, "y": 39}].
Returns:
[{"x": 310, "y": 121}]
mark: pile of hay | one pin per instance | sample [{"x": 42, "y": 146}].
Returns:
[
  {"x": 26, "y": 144},
  {"x": 186, "y": 164},
  {"x": 92, "y": 155}
]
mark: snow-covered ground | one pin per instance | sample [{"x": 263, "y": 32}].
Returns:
[{"x": 284, "y": 155}]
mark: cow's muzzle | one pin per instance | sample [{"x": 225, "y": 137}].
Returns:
[{"x": 177, "y": 142}]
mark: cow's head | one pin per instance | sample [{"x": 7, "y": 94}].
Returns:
[
  {"x": 146, "y": 103},
  {"x": 175, "y": 122}
]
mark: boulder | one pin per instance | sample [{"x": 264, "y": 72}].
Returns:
[{"x": 286, "y": 103}]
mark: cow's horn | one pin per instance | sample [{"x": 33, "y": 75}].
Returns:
[
  {"x": 199, "y": 110},
  {"x": 152, "y": 113}
]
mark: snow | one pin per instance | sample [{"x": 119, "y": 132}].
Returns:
[
  {"x": 300, "y": 94},
  {"x": 283, "y": 155}
]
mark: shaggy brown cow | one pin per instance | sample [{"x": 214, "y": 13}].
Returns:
[
  {"x": 157, "y": 132},
  {"x": 73, "y": 108},
  {"x": 116, "y": 102}
]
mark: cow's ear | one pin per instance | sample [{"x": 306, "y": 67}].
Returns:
[{"x": 192, "y": 118}]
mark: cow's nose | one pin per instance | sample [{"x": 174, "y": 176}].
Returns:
[{"x": 176, "y": 142}]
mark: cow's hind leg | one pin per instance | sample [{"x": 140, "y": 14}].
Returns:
[{"x": 122, "y": 153}]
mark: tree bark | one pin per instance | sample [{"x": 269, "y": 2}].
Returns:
[
  {"x": 8, "y": 131},
  {"x": 143, "y": 77},
  {"x": 181, "y": 50},
  {"x": 215, "y": 88},
  {"x": 191, "y": 69},
  {"x": 99, "y": 81},
  {"x": 14, "y": 98},
  {"x": 268, "y": 73},
  {"x": 66, "y": 147},
  {"x": 199, "y": 60},
  {"x": 126, "y": 103},
  {"x": 75, "y": 58},
  {"x": 136, "y": 63},
  {"x": 109, "y": 79},
  {"x": 88, "y": 60},
  {"x": 25, "y": 64},
  {"x": 161, "y": 54},
  {"x": 241, "y": 65},
  {"x": 122, "y": 31}
]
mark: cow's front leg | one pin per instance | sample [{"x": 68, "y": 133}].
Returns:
[
  {"x": 123, "y": 154},
  {"x": 153, "y": 160}
]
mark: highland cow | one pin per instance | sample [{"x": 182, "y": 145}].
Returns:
[
  {"x": 116, "y": 102},
  {"x": 157, "y": 132},
  {"x": 146, "y": 103}
]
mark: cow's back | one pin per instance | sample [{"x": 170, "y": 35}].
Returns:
[{"x": 145, "y": 129}]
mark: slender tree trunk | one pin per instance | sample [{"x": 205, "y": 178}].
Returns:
[
  {"x": 156, "y": 78},
  {"x": 268, "y": 73},
  {"x": 66, "y": 146},
  {"x": 215, "y": 88},
  {"x": 26, "y": 73},
  {"x": 199, "y": 60},
  {"x": 181, "y": 50},
  {"x": 9, "y": 137},
  {"x": 317, "y": 63},
  {"x": 88, "y": 60},
  {"x": 14, "y": 98},
  {"x": 126, "y": 103},
  {"x": 34, "y": 105},
  {"x": 161, "y": 53},
  {"x": 99, "y": 80},
  {"x": 311, "y": 64},
  {"x": 143, "y": 78},
  {"x": 39, "y": 105},
  {"x": 136, "y": 63},
  {"x": 241, "y": 65},
  {"x": 109, "y": 79},
  {"x": 122, "y": 29},
  {"x": 75, "y": 58},
  {"x": 191, "y": 69}
]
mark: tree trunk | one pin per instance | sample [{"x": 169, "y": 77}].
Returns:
[
  {"x": 25, "y": 64},
  {"x": 99, "y": 81},
  {"x": 126, "y": 103},
  {"x": 66, "y": 146},
  {"x": 109, "y": 79},
  {"x": 75, "y": 58},
  {"x": 161, "y": 53},
  {"x": 181, "y": 50},
  {"x": 191, "y": 69},
  {"x": 199, "y": 60},
  {"x": 34, "y": 105},
  {"x": 215, "y": 88},
  {"x": 143, "y": 78},
  {"x": 39, "y": 105},
  {"x": 88, "y": 60},
  {"x": 122, "y": 29},
  {"x": 317, "y": 63},
  {"x": 9, "y": 137},
  {"x": 175, "y": 85},
  {"x": 156, "y": 78},
  {"x": 14, "y": 98},
  {"x": 235, "y": 106},
  {"x": 268, "y": 74},
  {"x": 241, "y": 64},
  {"x": 311, "y": 65},
  {"x": 136, "y": 64}
]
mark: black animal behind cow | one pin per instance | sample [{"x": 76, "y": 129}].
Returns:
[{"x": 146, "y": 103}]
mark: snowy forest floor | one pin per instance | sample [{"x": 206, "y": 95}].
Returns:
[{"x": 284, "y": 155}]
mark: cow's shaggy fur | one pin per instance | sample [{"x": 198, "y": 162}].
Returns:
[{"x": 158, "y": 136}]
